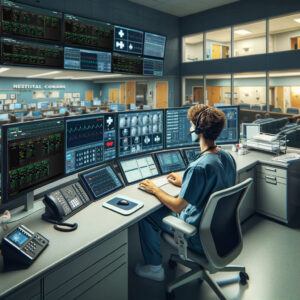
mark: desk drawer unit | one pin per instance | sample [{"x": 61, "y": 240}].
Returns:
[
  {"x": 31, "y": 291},
  {"x": 272, "y": 171},
  {"x": 84, "y": 274}
]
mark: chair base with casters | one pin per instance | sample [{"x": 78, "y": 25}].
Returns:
[{"x": 221, "y": 241}]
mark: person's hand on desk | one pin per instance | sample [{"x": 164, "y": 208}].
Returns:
[
  {"x": 149, "y": 186},
  {"x": 175, "y": 179}
]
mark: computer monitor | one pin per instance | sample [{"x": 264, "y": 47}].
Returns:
[
  {"x": 101, "y": 181},
  {"x": 132, "y": 106},
  {"x": 154, "y": 45},
  {"x": 4, "y": 117},
  {"x": 90, "y": 140},
  {"x": 250, "y": 130},
  {"x": 191, "y": 154},
  {"x": 138, "y": 168},
  {"x": 18, "y": 105},
  {"x": 140, "y": 131},
  {"x": 88, "y": 103},
  {"x": 32, "y": 156},
  {"x": 19, "y": 114},
  {"x": 170, "y": 161},
  {"x": 96, "y": 102},
  {"x": 113, "y": 107},
  {"x": 62, "y": 110},
  {"x": 44, "y": 105},
  {"x": 36, "y": 113}
]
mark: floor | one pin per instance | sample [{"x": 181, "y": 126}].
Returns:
[{"x": 271, "y": 255}]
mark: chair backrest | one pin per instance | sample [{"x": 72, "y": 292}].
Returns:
[
  {"x": 255, "y": 107},
  {"x": 276, "y": 109},
  {"x": 292, "y": 110},
  {"x": 245, "y": 106},
  {"x": 220, "y": 229}
]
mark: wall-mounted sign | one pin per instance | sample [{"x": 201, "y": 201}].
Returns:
[{"x": 38, "y": 86}]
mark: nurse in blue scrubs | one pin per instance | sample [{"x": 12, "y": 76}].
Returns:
[{"x": 214, "y": 170}]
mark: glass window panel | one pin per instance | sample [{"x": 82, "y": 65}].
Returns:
[
  {"x": 250, "y": 91},
  {"x": 192, "y": 48},
  {"x": 284, "y": 33},
  {"x": 193, "y": 90},
  {"x": 218, "y": 44},
  {"x": 218, "y": 89},
  {"x": 250, "y": 38}
]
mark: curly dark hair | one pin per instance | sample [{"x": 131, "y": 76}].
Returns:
[{"x": 212, "y": 120}]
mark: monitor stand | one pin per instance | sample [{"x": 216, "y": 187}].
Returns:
[{"x": 29, "y": 208}]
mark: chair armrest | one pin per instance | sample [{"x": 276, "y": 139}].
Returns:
[{"x": 180, "y": 225}]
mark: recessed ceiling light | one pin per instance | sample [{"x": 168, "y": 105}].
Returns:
[
  {"x": 43, "y": 74},
  {"x": 242, "y": 32},
  {"x": 297, "y": 20},
  {"x": 3, "y": 69}
]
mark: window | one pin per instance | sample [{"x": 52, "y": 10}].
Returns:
[
  {"x": 218, "y": 44},
  {"x": 250, "y": 91},
  {"x": 218, "y": 89},
  {"x": 284, "y": 33},
  {"x": 249, "y": 39},
  {"x": 194, "y": 90},
  {"x": 192, "y": 48}
]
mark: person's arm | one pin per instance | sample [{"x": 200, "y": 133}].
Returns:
[
  {"x": 176, "y": 204},
  {"x": 175, "y": 179}
]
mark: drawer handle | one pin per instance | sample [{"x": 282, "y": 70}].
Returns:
[
  {"x": 270, "y": 179},
  {"x": 271, "y": 169}
]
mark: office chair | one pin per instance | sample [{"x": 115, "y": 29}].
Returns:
[
  {"x": 276, "y": 109},
  {"x": 245, "y": 106},
  {"x": 220, "y": 236},
  {"x": 292, "y": 110},
  {"x": 255, "y": 107}
]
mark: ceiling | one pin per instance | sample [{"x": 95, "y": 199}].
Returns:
[{"x": 182, "y": 8}]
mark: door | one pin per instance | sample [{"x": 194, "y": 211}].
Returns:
[
  {"x": 216, "y": 51},
  {"x": 225, "y": 51},
  {"x": 122, "y": 90},
  {"x": 162, "y": 94},
  {"x": 198, "y": 94},
  {"x": 114, "y": 95},
  {"x": 280, "y": 93},
  {"x": 88, "y": 96},
  {"x": 130, "y": 92},
  {"x": 213, "y": 94},
  {"x": 295, "y": 99}
]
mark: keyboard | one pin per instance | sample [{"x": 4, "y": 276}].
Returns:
[
  {"x": 287, "y": 157},
  {"x": 160, "y": 181}
]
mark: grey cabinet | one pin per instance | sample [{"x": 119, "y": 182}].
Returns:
[
  {"x": 247, "y": 207},
  {"x": 31, "y": 291}
]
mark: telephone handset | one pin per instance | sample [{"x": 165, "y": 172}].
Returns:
[{"x": 63, "y": 203}]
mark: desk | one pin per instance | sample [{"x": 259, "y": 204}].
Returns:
[{"x": 86, "y": 263}]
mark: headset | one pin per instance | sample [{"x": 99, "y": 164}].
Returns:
[{"x": 198, "y": 129}]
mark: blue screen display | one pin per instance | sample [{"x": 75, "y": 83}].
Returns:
[{"x": 18, "y": 238}]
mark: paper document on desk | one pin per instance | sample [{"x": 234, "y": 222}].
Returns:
[
  {"x": 289, "y": 157},
  {"x": 265, "y": 137}
]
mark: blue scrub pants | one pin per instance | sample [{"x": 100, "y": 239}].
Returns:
[{"x": 150, "y": 229}]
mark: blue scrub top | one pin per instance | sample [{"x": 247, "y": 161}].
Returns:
[{"x": 211, "y": 172}]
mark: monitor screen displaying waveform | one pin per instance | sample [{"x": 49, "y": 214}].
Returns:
[{"x": 90, "y": 140}]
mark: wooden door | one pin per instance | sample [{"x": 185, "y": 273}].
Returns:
[
  {"x": 122, "y": 90},
  {"x": 295, "y": 99},
  {"x": 280, "y": 93},
  {"x": 130, "y": 92},
  {"x": 114, "y": 95},
  {"x": 162, "y": 94},
  {"x": 216, "y": 51},
  {"x": 225, "y": 51},
  {"x": 198, "y": 94},
  {"x": 88, "y": 96},
  {"x": 213, "y": 94}
]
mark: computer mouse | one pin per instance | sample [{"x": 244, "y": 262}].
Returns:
[{"x": 123, "y": 202}]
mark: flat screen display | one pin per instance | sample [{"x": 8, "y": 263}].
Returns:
[
  {"x": 154, "y": 45},
  {"x": 153, "y": 67},
  {"x": 138, "y": 168},
  {"x": 17, "y": 52},
  {"x": 89, "y": 60},
  {"x": 28, "y": 21},
  {"x": 88, "y": 33},
  {"x": 127, "y": 64},
  {"x": 170, "y": 161},
  {"x": 101, "y": 182},
  {"x": 90, "y": 140},
  {"x": 140, "y": 131},
  {"x": 128, "y": 40},
  {"x": 191, "y": 154},
  {"x": 18, "y": 237}
]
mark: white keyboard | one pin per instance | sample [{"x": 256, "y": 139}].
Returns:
[{"x": 160, "y": 181}]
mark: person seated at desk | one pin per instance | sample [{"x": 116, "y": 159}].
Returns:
[
  {"x": 84, "y": 111},
  {"x": 12, "y": 118},
  {"x": 214, "y": 170}
]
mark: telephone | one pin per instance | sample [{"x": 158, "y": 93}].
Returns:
[
  {"x": 21, "y": 247},
  {"x": 63, "y": 203}
]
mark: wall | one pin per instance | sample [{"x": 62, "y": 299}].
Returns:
[
  {"x": 255, "y": 45},
  {"x": 282, "y": 41},
  {"x": 193, "y": 52}
]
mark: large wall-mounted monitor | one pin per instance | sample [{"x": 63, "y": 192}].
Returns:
[
  {"x": 17, "y": 52},
  {"x": 128, "y": 64},
  {"x": 88, "y": 60},
  {"x": 90, "y": 140},
  {"x": 28, "y": 21},
  {"x": 170, "y": 161},
  {"x": 128, "y": 40},
  {"x": 153, "y": 67},
  {"x": 140, "y": 131},
  {"x": 32, "y": 156},
  {"x": 89, "y": 33},
  {"x": 154, "y": 45},
  {"x": 138, "y": 168}
]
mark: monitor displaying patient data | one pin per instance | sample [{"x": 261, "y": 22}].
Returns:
[
  {"x": 101, "y": 181},
  {"x": 90, "y": 140},
  {"x": 170, "y": 161},
  {"x": 191, "y": 154},
  {"x": 138, "y": 168},
  {"x": 140, "y": 131}
]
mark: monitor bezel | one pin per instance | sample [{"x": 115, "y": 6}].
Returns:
[
  {"x": 87, "y": 188},
  {"x": 16, "y": 200},
  {"x": 145, "y": 55},
  {"x": 167, "y": 151},
  {"x": 84, "y": 117},
  {"x": 134, "y": 112},
  {"x": 136, "y": 157}
]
